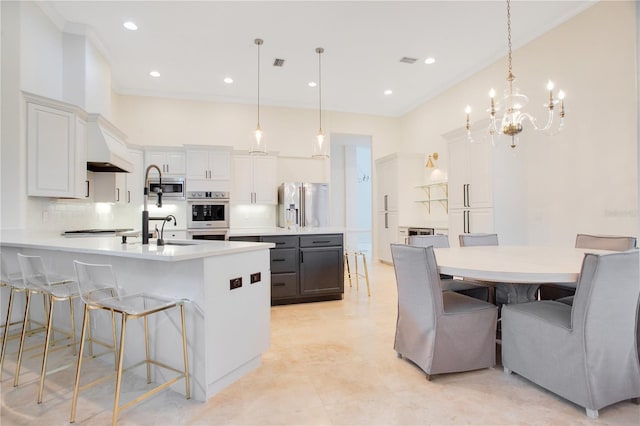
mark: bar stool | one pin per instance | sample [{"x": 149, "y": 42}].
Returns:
[
  {"x": 57, "y": 289},
  {"x": 99, "y": 290},
  {"x": 356, "y": 274},
  {"x": 13, "y": 280}
]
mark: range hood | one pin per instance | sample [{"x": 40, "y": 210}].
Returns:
[{"x": 106, "y": 149}]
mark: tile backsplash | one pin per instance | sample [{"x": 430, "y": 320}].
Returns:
[{"x": 66, "y": 214}]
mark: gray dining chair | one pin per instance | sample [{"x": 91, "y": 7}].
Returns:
[
  {"x": 504, "y": 292},
  {"x": 440, "y": 331},
  {"x": 586, "y": 353},
  {"x": 474, "y": 289},
  {"x": 563, "y": 292}
]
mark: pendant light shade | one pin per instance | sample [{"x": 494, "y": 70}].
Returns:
[
  {"x": 258, "y": 146},
  {"x": 320, "y": 147}
]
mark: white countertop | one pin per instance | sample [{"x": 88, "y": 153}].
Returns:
[
  {"x": 245, "y": 232},
  {"x": 112, "y": 246}
]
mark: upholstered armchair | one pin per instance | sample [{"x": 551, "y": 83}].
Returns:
[
  {"x": 441, "y": 332},
  {"x": 475, "y": 289},
  {"x": 586, "y": 353},
  {"x": 563, "y": 292}
]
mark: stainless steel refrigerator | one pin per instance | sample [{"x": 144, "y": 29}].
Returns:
[{"x": 303, "y": 204}]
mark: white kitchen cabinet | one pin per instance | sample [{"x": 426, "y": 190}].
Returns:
[
  {"x": 110, "y": 187},
  {"x": 465, "y": 221},
  {"x": 470, "y": 177},
  {"x": 487, "y": 188},
  {"x": 208, "y": 169},
  {"x": 172, "y": 162},
  {"x": 254, "y": 180},
  {"x": 397, "y": 177},
  {"x": 135, "y": 179},
  {"x": 387, "y": 235},
  {"x": 403, "y": 234},
  {"x": 56, "y": 148}
]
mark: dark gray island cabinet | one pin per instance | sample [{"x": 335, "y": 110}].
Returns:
[{"x": 304, "y": 268}]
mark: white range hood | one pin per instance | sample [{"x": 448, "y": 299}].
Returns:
[{"x": 106, "y": 149}]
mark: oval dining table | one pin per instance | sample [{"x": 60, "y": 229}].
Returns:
[{"x": 513, "y": 265}]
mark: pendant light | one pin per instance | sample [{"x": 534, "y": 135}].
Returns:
[
  {"x": 320, "y": 148},
  {"x": 258, "y": 146}
]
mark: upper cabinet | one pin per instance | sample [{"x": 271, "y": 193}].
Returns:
[
  {"x": 135, "y": 179},
  {"x": 170, "y": 161},
  {"x": 56, "y": 148},
  {"x": 208, "y": 168},
  {"x": 254, "y": 180}
]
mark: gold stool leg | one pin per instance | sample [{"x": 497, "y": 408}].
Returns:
[
  {"x": 113, "y": 335},
  {"x": 346, "y": 261},
  {"x": 184, "y": 353},
  {"x": 90, "y": 336},
  {"x": 74, "y": 401},
  {"x": 21, "y": 346},
  {"x": 73, "y": 325},
  {"x": 355, "y": 258},
  {"x": 146, "y": 349},
  {"x": 43, "y": 371},
  {"x": 366, "y": 273},
  {"x": 5, "y": 336},
  {"x": 116, "y": 402}
]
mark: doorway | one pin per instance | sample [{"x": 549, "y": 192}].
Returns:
[{"x": 351, "y": 193}]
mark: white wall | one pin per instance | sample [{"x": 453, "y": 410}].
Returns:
[
  {"x": 585, "y": 179},
  {"x": 40, "y": 53}
]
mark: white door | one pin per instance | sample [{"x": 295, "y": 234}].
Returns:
[
  {"x": 242, "y": 180},
  {"x": 458, "y": 173}
]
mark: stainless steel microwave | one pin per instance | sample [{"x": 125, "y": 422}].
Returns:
[{"x": 172, "y": 188}]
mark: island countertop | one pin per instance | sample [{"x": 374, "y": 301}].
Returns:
[{"x": 175, "y": 250}]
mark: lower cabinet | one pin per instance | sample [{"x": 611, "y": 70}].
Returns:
[{"x": 304, "y": 268}]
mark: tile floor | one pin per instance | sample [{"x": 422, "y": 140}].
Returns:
[{"x": 330, "y": 363}]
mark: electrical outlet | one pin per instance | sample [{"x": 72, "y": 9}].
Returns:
[
  {"x": 255, "y": 277},
  {"x": 235, "y": 283}
]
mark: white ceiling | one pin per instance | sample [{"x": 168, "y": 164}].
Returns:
[{"x": 195, "y": 44}]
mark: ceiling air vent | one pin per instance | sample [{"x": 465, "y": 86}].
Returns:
[
  {"x": 408, "y": 60},
  {"x": 277, "y": 62}
]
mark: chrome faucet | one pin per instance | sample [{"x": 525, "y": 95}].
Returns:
[
  {"x": 167, "y": 218},
  {"x": 145, "y": 212}
]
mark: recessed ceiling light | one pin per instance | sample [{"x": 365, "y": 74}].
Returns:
[
  {"x": 228, "y": 80},
  {"x": 430, "y": 60},
  {"x": 154, "y": 73},
  {"x": 130, "y": 25},
  {"x": 388, "y": 92},
  {"x": 312, "y": 84}
]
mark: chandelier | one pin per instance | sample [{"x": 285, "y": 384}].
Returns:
[
  {"x": 257, "y": 145},
  {"x": 320, "y": 148},
  {"x": 511, "y": 123}
]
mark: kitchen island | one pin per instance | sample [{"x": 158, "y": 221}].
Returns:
[
  {"x": 307, "y": 264},
  {"x": 228, "y": 315}
]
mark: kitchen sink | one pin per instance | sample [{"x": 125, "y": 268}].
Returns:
[{"x": 179, "y": 243}]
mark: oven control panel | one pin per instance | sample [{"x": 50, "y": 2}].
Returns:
[{"x": 208, "y": 195}]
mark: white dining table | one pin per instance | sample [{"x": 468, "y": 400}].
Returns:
[{"x": 513, "y": 266}]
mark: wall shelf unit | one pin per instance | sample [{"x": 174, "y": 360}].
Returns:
[{"x": 435, "y": 191}]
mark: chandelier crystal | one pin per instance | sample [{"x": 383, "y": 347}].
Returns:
[
  {"x": 258, "y": 146},
  {"x": 513, "y": 102},
  {"x": 320, "y": 148}
]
